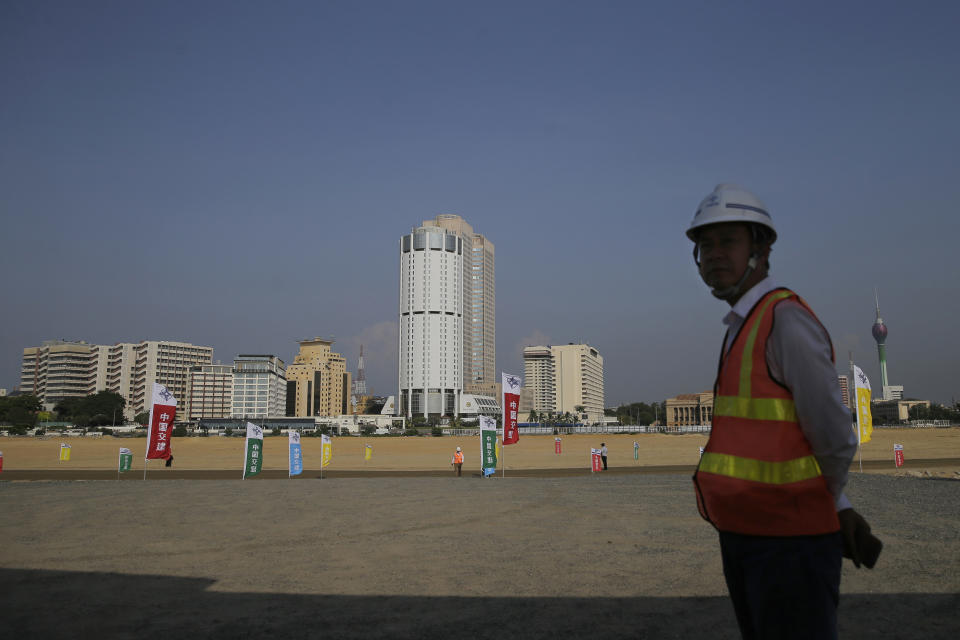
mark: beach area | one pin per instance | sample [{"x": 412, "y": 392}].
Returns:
[
  {"x": 931, "y": 451},
  {"x": 398, "y": 547}
]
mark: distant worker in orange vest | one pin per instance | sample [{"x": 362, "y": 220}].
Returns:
[
  {"x": 772, "y": 474},
  {"x": 457, "y": 462}
]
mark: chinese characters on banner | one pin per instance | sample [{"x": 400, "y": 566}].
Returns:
[
  {"x": 596, "y": 464},
  {"x": 160, "y": 427},
  {"x": 488, "y": 445},
  {"x": 898, "y": 454},
  {"x": 253, "y": 451},
  {"x": 125, "y": 461},
  {"x": 296, "y": 455},
  {"x": 557, "y": 447},
  {"x": 511, "y": 405}
]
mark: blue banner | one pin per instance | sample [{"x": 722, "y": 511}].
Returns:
[{"x": 296, "y": 457}]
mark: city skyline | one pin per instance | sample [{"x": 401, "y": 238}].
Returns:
[{"x": 241, "y": 164}]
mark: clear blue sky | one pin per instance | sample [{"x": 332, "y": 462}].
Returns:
[{"x": 253, "y": 165}]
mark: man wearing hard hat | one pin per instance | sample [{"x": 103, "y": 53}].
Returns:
[
  {"x": 457, "y": 461},
  {"x": 772, "y": 474}
]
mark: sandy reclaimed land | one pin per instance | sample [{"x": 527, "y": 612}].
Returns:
[
  {"x": 927, "y": 451},
  {"x": 609, "y": 555}
]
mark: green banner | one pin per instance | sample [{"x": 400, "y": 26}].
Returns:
[
  {"x": 254, "y": 457},
  {"x": 488, "y": 447},
  {"x": 126, "y": 461}
]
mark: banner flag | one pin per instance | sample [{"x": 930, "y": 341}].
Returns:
[
  {"x": 296, "y": 454},
  {"x": 253, "y": 450},
  {"x": 64, "y": 452},
  {"x": 864, "y": 417},
  {"x": 326, "y": 450},
  {"x": 898, "y": 454},
  {"x": 126, "y": 459},
  {"x": 488, "y": 445},
  {"x": 163, "y": 410},
  {"x": 511, "y": 404},
  {"x": 596, "y": 464},
  {"x": 1, "y": 461},
  {"x": 367, "y": 452}
]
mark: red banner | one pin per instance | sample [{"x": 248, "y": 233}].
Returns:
[
  {"x": 596, "y": 464},
  {"x": 556, "y": 446},
  {"x": 511, "y": 405},
  {"x": 160, "y": 429},
  {"x": 898, "y": 454},
  {"x": 1, "y": 460}
]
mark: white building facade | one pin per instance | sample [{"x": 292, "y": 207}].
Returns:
[
  {"x": 209, "y": 392},
  {"x": 259, "y": 386},
  {"x": 431, "y": 322},
  {"x": 59, "y": 369},
  {"x": 167, "y": 363},
  {"x": 564, "y": 379},
  {"x": 479, "y": 305}
]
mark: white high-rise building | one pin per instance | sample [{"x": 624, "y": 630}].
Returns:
[
  {"x": 259, "y": 386},
  {"x": 431, "y": 315},
  {"x": 564, "y": 379},
  {"x": 167, "y": 363},
  {"x": 59, "y": 369},
  {"x": 479, "y": 306},
  {"x": 120, "y": 363},
  {"x": 208, "y": 392}
]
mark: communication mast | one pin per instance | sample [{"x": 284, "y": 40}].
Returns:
[{"x": 360, "y": 384}]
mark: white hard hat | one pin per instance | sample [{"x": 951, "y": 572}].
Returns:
[
  {"x": 731, "y": 203},
  {"x": 458, "y": 448}
]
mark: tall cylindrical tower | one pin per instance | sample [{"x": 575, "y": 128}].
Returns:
[
  {"x": 431, "y": 322},
  {"x": 880, "y": 335}
]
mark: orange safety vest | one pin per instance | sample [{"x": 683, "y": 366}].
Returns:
[
  {"x": 758, "y": 474},
  {"x": 458, "y": 457}
]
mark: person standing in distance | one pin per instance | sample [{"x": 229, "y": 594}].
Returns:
[
  {"x": 772, "y": 474},
  {"x": 457, "y": 462},
  {"x": 603, "y": 454}
]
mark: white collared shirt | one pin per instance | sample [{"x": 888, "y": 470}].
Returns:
[{"x": 799, "y": 357}]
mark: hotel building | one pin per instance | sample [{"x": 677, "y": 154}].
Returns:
[
  {"x": 318, "y": 383},
  {"x": 561, "y": 378},
  {"x": 57, "y": 369},
  {"x": 431, "y": 340},
  {"x": 209, "y": 392},
  {"x": 167, "y": 363},
  {"x": 259, "y": 386}
]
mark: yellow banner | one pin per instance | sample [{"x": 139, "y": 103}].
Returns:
[
  {"x": 326, "y": 450},
  {"x": 64, "y": 452},
  {"x": 864, "y": 417},
  {"x": 367, "y": 452}
]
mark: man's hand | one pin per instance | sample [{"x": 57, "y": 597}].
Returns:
[{"x": 858, "y": 543}]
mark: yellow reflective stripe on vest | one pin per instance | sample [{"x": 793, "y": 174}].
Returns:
[
  {"x": 755, "y": 408},
  {"x": 759, "y": 471},
  {"x": 746, "y": 360}
]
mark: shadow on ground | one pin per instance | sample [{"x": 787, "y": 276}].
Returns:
[{"x": 61, "y": 604}]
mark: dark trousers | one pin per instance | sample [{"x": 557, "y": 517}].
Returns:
[
  {"x": 783, "y": 588},
  {"x": 604, "y": 458},
  {"x": 459, "y": 467}
]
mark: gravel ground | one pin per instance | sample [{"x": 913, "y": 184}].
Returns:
[{"x": 613, "y": 555}]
